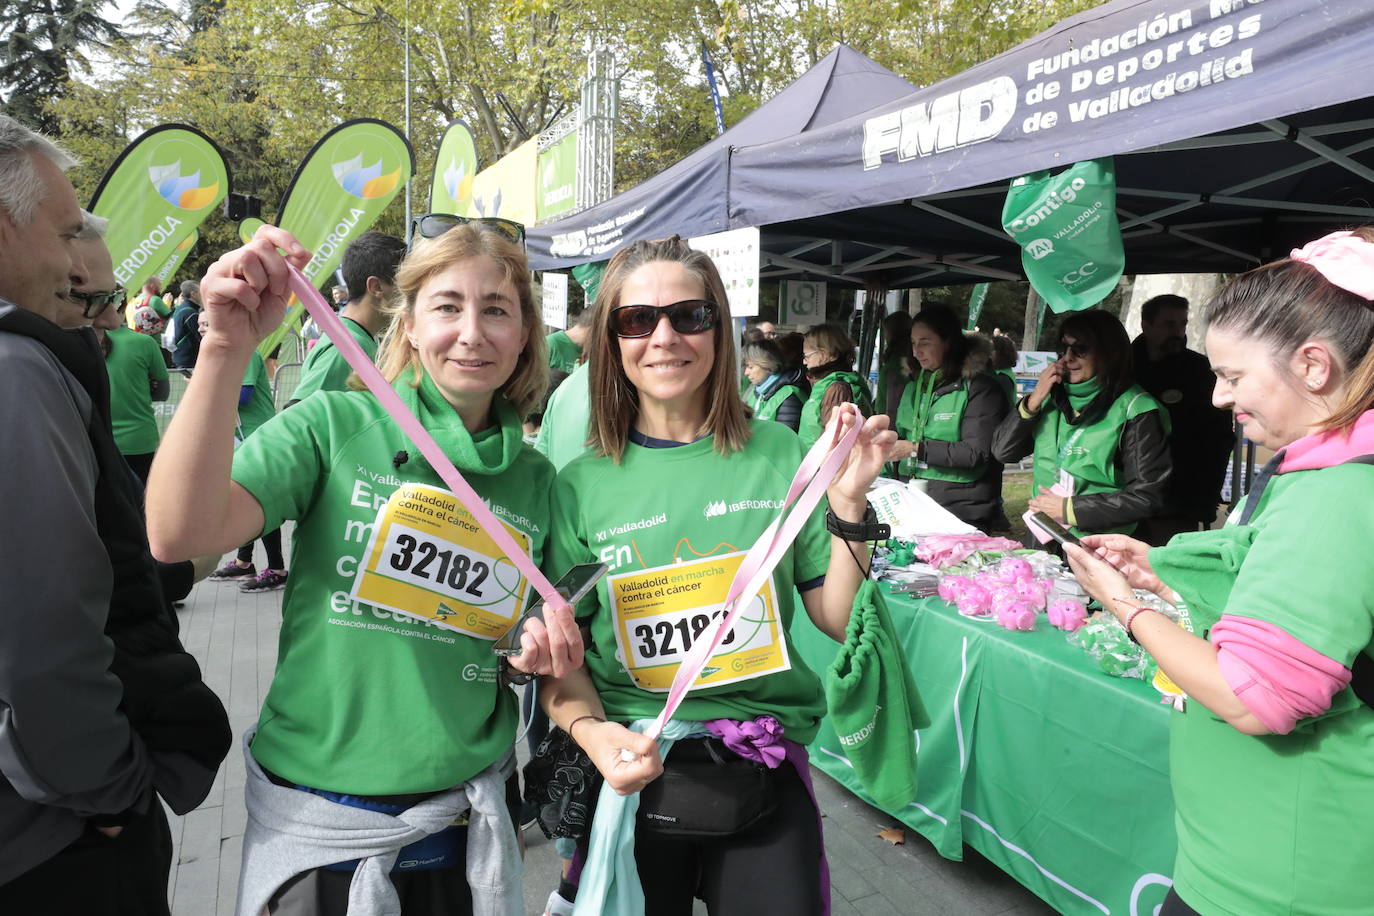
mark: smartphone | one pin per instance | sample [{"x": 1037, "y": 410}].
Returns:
[
  {"x": 574, "y": 584},
  {"x": 1055, "y": 530}
]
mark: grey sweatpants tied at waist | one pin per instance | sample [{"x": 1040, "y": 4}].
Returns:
[{"x": 290, "y": 832}]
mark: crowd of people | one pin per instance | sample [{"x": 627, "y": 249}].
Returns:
[{"x": 381, "y": 771}]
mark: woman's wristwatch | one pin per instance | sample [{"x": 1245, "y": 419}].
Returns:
[
  {"x": 512, "y": 675},
  {"x": 868, "y": 529}
]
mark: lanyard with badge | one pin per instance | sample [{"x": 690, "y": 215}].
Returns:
[{"x": 438, "y": 555}]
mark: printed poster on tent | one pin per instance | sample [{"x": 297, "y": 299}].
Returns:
[
  {"x": 801, "y": 303},
  {"x": 736, "y": 256},
  {"x": 555, "y": 300},
  {"x": 155, "y": 195}
]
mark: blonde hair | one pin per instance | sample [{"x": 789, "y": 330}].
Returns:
[
  {"x": 615, "y": 402},
  {"x": 526, "y": 385},
  {"x": 832, "y": 339}
]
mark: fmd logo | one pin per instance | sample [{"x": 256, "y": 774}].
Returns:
[
  {"x": 365, "y": 181},
  {"x": 961, "y": 118},
  {"x": 182, "y": 191}
]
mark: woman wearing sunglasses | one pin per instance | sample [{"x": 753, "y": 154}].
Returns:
[
  {"x": 677, "y": 483},
  {"x": 374, "y": 714},
  {"x": 1100, "y": 441},
  {"x": 947, "y": 416}
]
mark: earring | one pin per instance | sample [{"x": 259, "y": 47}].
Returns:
[{"x": 1313, "y": 384}]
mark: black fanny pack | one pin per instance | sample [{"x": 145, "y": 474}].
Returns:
[{"x": 707, "y": 790}]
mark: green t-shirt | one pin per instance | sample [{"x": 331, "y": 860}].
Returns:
[
  {"x": 663, "y": 506},
  {"x": 563, "y": 353},
  {"x": 365, "y": 700},
  {"x": 325, "y": 368},
  {"x": 135, "y": 361},
  {"x": 1281, "y": 823},
  {"x": 563, "y": 431},
  {"x": 260, "y": 407}
]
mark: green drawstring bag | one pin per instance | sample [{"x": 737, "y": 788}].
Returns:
[{"x": 874, "y": 703}]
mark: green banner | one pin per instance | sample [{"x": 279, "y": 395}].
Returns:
[
  {"x": 354, "y": 172},
  {"x": 975, "y": 304},
  {"x": 557, "y": 170},
  {"x": 179, "y": 253},
  {"x": 156, "y": 194},
  {"x": 1069, "y": 235},
  {"x": 455, "y": 166}
]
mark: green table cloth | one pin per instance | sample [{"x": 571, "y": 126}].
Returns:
[{"x": 1055, "y": 772}]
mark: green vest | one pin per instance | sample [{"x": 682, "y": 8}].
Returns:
[
  {"x": 766, "y": 408},
  {"x": 811, "y": 420},
  {"x": 1088, "y": 453},
  {"x": 926, "y": 412}
]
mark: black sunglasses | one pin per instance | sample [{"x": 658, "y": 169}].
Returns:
[
  {"x": 95, "y": 303},
  {"x": 1078, "y": 348},
  {"x": 433, "y": 225},
  {"x": 690, "y": 316}
]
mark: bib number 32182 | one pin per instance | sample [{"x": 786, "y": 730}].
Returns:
[{"x": 429, "y": 559}]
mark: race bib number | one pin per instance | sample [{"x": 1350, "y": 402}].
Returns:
[
  {"x": 660, "y": 613},
  {"x": 429, "y": 559}
]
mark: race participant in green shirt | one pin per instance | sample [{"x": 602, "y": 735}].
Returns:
[
  {"x": 138, "y": 376},
  {"x": 777, "y": 391},
  {"x": 378, "y": 711},
  {"x": 677, "y": 483},
  {"x": 369, "y": 269},
  {"x": 947, "y": 417},
  {"x": 1100, "y": 441},
  {"x": 565, "y": 347},
  {"x": 828, "y": 354},
  {"x": 1269, "y": 754}
]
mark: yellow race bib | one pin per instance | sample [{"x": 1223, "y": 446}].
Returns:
[
  {"x": 659, "y": 613},
  {"x": 428, "y": 558}
]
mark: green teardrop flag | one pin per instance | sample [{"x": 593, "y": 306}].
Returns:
[
  {"x": 155, "y": 195},
  {"x": 178, "y": 256},
  {"x": 353, "y": 173},
  {"x": 454, "y": 168},
  {"x": 976, "y": 298},
  {"x": 1069, "y": 235}
]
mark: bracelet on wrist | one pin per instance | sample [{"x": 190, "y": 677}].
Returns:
[
  {"x": 866, "y": 529},
  {"x": 573, "y": 723},
  {"x": 1129, "y": 623}
]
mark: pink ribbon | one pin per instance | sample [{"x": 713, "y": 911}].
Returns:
[
  {"x": 808, "y": 485},
  {"x": 1344, "y": 259},
  {"x": 372, "y": 377}
]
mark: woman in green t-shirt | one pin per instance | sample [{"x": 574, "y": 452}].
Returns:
[
  {"x": 1100, "y": 441},
  {"x": 384, "y": 706},
  {"x": 678, "y": 482},
  {"x": 1272, "y": 751}
]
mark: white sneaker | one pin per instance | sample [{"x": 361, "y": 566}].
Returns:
[{"x": 557, "y": 906}]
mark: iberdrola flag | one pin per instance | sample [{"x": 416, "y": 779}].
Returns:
[
  {"x": 455, "y": 165},
  {"x": 155, "y": 195},
  {"x": 178, "y": 257},
  {"x": 337, "y": 194}
]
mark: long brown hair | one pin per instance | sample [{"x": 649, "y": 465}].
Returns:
[
  {"x": 615, "y": 402},
  {"x": 1287, "y": 302},
  {"x": 525, "y": 387}
]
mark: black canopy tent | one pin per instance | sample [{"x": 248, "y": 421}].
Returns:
[
  {"x": 689, "y": 198},
  {"x": 1240, "y": 129}
]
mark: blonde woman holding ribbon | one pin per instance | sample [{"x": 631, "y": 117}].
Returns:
[
  {"x": 678, "y": 484},
  {"x": 381, "y": 728},
  {"x": 1270, "y": 750}
]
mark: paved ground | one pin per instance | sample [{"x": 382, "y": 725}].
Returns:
[{"x": 234, "y": 637}]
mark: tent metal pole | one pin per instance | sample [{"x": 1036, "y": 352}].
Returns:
[
  {"x": 961, "y": 220},
  {"x": 1195, "y": 239},
  {"x": 809, "y": 246},
  {"x": 1306, "y": 141}
]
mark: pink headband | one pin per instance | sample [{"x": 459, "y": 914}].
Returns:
[{"x": 1344, "y": 259}]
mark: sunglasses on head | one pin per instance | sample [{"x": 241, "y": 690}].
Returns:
[
  {"x": 95, "y": 303},
  {"x": 433, "y": 225},
  {"x": 690, "y": 316},
  {"x": 1077, "y": 348}
]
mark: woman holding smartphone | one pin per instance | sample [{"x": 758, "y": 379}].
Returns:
[
  {"x": 1100, "y": 441},
  {"x": 374, "y": 713},
  {"x": 1270, "y": 750},
  {"x": 695, "y": 483}
]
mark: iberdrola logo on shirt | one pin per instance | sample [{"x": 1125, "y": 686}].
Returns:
[{"x": 719, "y": 507}]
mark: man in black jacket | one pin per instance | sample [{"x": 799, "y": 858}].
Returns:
[
  {"x": 101, "y": 709},
  {"x": 1202, "y": 437}
]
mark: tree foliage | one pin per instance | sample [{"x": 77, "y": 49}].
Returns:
[
  {"x": 267, "y": 80},
  {"x": 43, "y": 42}
]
